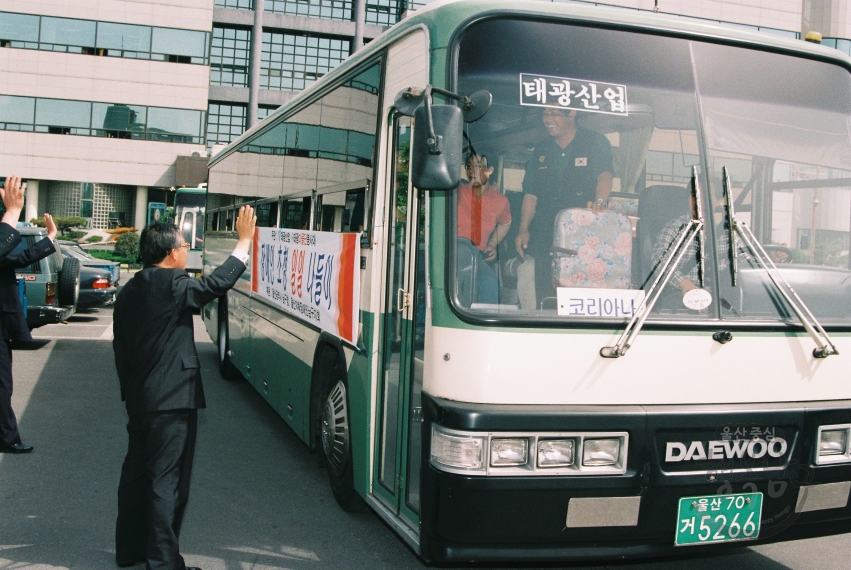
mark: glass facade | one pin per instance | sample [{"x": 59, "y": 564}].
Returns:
[
  {"x": 331, "y": 9},
  {"x": 103, "y": 38},
  {"x": 230, "y": 56},
  {"x": 235, "y": 4},
  {"x": 291, "y": 62},
  {"x": 65, "y": 117},
  {"x": 225, "y": 122},
  {"x": 388, "y": 12}
]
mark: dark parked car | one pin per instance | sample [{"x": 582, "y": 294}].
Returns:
[
  {"x": 87, "y": 260},
  {"x": 96, "y": 286},
  {"x": 52, "y": 284}
]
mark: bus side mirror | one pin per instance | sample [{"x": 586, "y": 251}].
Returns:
[{"x": 436, "y": 163}]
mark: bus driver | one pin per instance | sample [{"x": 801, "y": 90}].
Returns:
[{"x": 571, "y": 169}]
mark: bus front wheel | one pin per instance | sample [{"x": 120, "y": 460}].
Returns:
[
  {"x": 226, "y": 368},
  {"x": 336, "y": 445}
]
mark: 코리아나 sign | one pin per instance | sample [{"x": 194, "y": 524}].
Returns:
[{"x": 311, "y": 275}]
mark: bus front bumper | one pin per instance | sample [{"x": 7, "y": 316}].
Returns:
[{"x": 490, "y": 518}]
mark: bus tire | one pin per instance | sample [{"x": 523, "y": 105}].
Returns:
[
  {"x": 336, "y": 445},
  {"x": 226, "y": 367}
]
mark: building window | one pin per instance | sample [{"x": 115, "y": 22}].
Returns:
[
  {"x": 388, "y": 12},
  {"x": 225, "y": 122},
  {"x": 87, "y": 196},
  {"x": 263, "y": 112},
  {"x": 331, "y": 9},
  {"x": 292, "y": 62},
  {"x": 236, "y": 4},
  {"x": 48, "y": 33},
  {"x": 66, "y": 117},
  {"x": 229, "y": 56}
]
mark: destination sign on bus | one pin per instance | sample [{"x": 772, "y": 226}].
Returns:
[
  {"x": 593, "y": 96},
  {"x": 311, "y": 275}
]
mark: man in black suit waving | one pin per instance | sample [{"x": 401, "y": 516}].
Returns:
[
  {"x": 159, "y": 372},
  {"x": 13, "y": 322}
]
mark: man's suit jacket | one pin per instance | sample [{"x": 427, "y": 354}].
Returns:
[
  {"x": 13, "y": 321},
  {"x": 154, "y": 344}
]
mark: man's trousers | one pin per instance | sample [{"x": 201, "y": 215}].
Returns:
[
  {"x": 154, "y": 488},
  {"x": 9, "y": 435}
]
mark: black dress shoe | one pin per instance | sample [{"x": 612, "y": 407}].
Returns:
[
  {"x": 16, "y": 448},
  {"x": 192, "y": 568}
]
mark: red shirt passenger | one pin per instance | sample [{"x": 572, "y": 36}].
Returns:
[{"x": 484, "y": 215}]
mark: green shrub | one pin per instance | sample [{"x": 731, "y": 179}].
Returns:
[
  {"x": 63, "y": 224},
  {"x": 127, "y": 245},
  {"x": 94, "y": 239},
  {"x": 73, "y": 236},
  {"x": 108, "y": 255}
]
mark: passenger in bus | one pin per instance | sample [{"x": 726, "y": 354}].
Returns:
[
  {"x": 571, "y": 169},
  {"x": 484, "y": 218},
  {"x": 685, "y": 277},
  {"x": 160, "y": 377}
]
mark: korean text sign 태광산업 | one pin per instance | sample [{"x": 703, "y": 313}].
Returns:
[
  {"x": 593, "y": 96},
  {"x": 312, "y": 275}
]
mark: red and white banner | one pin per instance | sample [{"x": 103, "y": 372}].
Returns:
[{"x": 312, "y": 275}]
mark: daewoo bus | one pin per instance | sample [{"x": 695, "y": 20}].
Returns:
[{"x": 617, "y": 416}]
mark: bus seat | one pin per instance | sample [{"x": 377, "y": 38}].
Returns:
[
  {"x": 658, "y": 205},
  {"x": 467, "y": 260},
  {"x": 592, "y": 250}
]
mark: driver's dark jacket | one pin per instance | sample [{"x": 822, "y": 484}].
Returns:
[{"x": 13, "y": 322}]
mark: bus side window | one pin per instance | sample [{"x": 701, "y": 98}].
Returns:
[
  {"x": 267, "y": 215},
  {"x": 295, "y": 214},
  {"x": 341, "y": 212}
]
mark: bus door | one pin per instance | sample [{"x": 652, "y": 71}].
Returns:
[{"x": 396, "y": 473}]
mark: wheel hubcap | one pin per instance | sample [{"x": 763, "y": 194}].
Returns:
[{"x": 335, "y": 428}]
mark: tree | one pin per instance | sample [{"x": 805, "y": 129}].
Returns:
[
  {"x": 127, "y": 245},
  {"x": 63, "y": 224}
]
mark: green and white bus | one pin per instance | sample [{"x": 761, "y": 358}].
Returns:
[{"x": 519, "y": 427}]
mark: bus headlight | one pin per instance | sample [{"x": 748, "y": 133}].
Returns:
[
  {"x": 833, "y": 444},
  {"x": 513, "y": 451},
  {"x": 555, "y": 452},
  {"x": 599, "y": 452},
  {"x": 463, "y": 452}
]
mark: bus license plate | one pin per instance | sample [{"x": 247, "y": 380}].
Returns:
[{"x": 718, "y": 518}]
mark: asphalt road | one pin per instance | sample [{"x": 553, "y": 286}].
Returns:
[{"x": 259, "y": 500}]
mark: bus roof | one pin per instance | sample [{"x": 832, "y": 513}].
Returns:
[{"x": 444, "y": 17}]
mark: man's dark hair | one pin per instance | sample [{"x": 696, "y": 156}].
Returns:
[{"x": 157, "y": 241}]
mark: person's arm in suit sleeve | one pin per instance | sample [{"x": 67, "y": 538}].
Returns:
[
  {"x": 37, "y": 251},
  {"x": 192, "y": 293},
  {"x": 9, "y": 239}
]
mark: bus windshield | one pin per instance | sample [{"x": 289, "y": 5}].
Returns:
[
  {"x": 578, "y": 180},
  {"x": 189, "y": 210}
]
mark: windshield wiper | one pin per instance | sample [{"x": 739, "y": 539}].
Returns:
[
  {"x": 691, "y": 231},
  {"x": 824, "y": 346}
]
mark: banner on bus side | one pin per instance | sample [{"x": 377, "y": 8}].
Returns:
[{"x": 312, "y": 275}]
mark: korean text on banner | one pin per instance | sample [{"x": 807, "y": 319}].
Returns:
[{"x": 312, "y": 275}]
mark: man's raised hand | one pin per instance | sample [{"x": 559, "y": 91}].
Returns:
[
  {"x": 245, "y": 222},
  {"x": 12, "y": 195}
]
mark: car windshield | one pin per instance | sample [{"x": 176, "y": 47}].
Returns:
[{"x": 577, "y": 181}]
